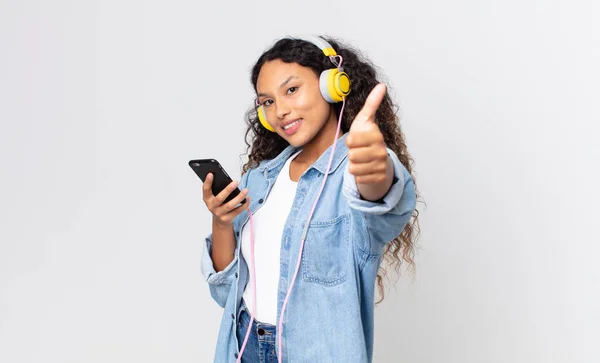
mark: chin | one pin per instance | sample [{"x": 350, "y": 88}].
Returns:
[
  {"x": 295, "y": 143},
  {"x": 298, "y": 140}
]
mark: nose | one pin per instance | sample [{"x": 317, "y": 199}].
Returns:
[{"x": 282, "y": 109}]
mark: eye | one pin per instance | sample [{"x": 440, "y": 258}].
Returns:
[
  {"x": 267, "y": 102},
  {"x": 292, "y": 90}
]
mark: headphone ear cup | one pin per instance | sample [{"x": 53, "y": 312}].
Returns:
[
  {"x": 342, "y": 84},
  {"x": 262, "y": 117},
  {"x": 334, "y": 85}
]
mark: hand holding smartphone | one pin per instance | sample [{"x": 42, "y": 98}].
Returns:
[{"x": 220, "y": 192}]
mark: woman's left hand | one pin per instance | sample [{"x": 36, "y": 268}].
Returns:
[{"x": 367, "y": 153}]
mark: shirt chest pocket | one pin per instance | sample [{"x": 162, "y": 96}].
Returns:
[{"x": 326, "y": 251}]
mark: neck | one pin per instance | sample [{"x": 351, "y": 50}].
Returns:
[{"x": 313, "y": 149}]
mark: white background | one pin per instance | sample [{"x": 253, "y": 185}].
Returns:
[{"x": 102, "y": 222}]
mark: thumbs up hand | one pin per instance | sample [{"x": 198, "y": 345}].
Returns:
[{"x": 368, "y": 159}]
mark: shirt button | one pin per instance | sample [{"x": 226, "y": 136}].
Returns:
[
  {"x": 237, "y": 233},
  {"x": 233, "y": 316},
  {"x": 260, "y": 200},
  {"x": 236, "y": 355},
  {"x": 236, "y": 275},
  {"x": 261, "y": 331}
]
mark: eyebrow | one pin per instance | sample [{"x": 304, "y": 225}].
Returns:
[{"x": 281, "y": 85}]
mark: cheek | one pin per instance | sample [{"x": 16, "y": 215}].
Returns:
[
  {"x": 304, "y": 103},
  {"x": 313, "y": 106}
]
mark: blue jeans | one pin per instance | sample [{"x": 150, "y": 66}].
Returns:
[{"x": 260, "y": 347}]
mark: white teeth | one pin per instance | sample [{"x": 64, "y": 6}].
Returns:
[{"x": 290, "y": 125}]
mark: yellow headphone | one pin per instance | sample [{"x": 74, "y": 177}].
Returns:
[{"x": 334, "y": 82}]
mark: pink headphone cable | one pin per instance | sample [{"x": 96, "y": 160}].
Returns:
[
  {"x": 253, "y": 288},
  {"x": 280, "y": 326}
]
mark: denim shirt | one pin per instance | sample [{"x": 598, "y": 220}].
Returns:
[{"x": 330, "y": 313}]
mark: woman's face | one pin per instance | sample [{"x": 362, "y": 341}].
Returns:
[{"x": 292, "y": 101}]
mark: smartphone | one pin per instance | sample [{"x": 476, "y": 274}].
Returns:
[{"x": 220, "y": 177}]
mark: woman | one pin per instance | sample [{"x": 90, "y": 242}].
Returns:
[{"x": 326, "y": 152}]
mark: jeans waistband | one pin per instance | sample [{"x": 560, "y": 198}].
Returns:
[{"x": 265, "y": 331}]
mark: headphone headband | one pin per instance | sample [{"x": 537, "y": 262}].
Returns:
[{"x": 319, "y": 42}]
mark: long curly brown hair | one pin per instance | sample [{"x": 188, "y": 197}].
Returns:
[{"x": 265, "y": 145}]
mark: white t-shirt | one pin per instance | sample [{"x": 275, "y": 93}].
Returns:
[{"x": 269, "y": 221}]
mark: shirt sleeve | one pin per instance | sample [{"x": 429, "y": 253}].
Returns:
[
  {"x": 219, "y": 283},
  {"x": 386, "y": 218}
]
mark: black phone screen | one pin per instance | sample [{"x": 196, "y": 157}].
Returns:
[{"x": 220, "y": 177}]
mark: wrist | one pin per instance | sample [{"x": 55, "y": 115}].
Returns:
[{"x": 219, "y": 225}]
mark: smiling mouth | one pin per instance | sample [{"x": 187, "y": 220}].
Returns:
[{"x": 292, "y": 124}]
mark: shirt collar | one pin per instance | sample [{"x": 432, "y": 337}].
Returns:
[{"x": 341, "y": 151}]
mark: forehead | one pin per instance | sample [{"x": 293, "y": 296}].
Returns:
[{"x": 275, "y": 72}]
